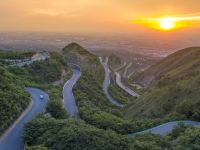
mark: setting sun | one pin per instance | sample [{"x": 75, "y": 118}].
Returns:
[{"x": 167, "y": 23}]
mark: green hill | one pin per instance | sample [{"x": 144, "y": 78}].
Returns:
[
  {"x": 74, "y": 47},
  {"x": 176, "y": 64},
  {"x": 76, "y": 54},
  {"x": 173, "y": 87},
  {"x": 94, "y": 107}
]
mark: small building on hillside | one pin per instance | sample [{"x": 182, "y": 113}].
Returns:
[{"x": 40, "y": 56}]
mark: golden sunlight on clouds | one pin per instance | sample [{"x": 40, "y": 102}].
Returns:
[
  {"x": 96, "y": 15},
  {"x": 47, "y": 12},
  {"x": 169, "y": 23}
]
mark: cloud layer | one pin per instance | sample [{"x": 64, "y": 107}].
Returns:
[{"x": 88, "y": 15}]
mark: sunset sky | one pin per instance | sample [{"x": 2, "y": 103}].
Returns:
[{"x": 95, "y": 15}]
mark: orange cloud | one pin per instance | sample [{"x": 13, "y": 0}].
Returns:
[{"x": 47, "y": 12}]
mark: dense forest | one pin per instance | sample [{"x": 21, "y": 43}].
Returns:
[{"x": 43, "y": 134}]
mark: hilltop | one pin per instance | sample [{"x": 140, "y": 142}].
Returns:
[
  {"x": 74, "y": 47},
  {"x": 76, "y": 54},
  {"x": 173, "y": 87}
]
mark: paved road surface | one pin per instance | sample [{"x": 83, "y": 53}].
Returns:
[
  {"x": 131, "y": 74},
  {"x": 120, "y": 67},
  {"x": 12, "y": 139},
  {"x": 122, "y": 86},
  {"x": 166, "y": 128},
  {"x": 106, "y": 82},
  {"x": 126, "y": 69},
  {"x": 68, "y": 97}
]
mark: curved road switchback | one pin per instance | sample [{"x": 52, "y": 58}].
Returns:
[
  {"x": 122, "y": 86},
  {"x": 131, "y": 74},
  {"x": 13, "y": 137},
  {"x": 121, "y": 67},
  {"x": 106, "y": 82},
  {"x": 166, "y": 128},
  {"x": 68, "y": 97},
  {"x": 126, "y": 69}
]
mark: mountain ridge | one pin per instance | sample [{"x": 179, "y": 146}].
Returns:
[
  {"x": 168, "y": 64},
  {"x": 174, "y": 87}
]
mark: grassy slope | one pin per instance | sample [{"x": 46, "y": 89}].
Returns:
[
  {"x": 174, "y": 90},
  {"x": 178, "y": 61}
]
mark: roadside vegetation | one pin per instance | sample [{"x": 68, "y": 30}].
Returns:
[
  {"x": 13, "y": 81},
  {"x": 42, "y": 72},
  {"x": 70, "y": 135},
  {"x": 47, "y": 133},
  {"x": 55, "y": 106},
  {"x": 13, "y": 98},
  {"x": 119, "y": 94}
]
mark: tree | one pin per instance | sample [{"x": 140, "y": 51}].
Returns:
[{"x": 56, "y": 109}]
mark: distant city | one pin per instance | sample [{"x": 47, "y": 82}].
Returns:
[{"x": 155, "y": 46}]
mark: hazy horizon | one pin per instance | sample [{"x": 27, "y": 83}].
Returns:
[{"x": 154, "y": 45}]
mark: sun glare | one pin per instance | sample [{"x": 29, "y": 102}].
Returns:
[{"x": 167, "y": 23}]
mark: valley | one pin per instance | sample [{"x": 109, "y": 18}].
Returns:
[{"x": 98, "y": 102}]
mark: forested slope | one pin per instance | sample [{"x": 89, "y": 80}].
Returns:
[
  {"x": 13, "y": 81},
  {"x": 13, "y": 98}
]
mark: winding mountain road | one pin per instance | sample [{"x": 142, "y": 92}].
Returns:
[
  {"x": 163, "y": 129},
  {"x": 13, "y": 138},
  {"x": 106, "y": 82},
  {"x": 131, "y": 74},
  {"x": 68, "y": 97},
  {"x": 166, "y": 128},
  {"x": 125, "y": 88},
  {"x": 126, "y": 69},
  {"x": 120, "y": 67},
  {"x": 119, "y": 81}
]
